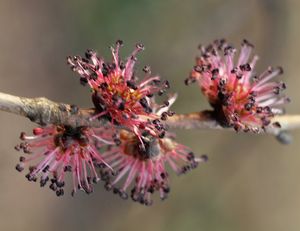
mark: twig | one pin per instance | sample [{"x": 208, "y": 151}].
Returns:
[
  {"x": 43, "y": 111},
  {"x": 205, "y": 120}
]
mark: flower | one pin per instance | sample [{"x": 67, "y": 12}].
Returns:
[
  {"x": 56, "y": 150},
  {"x": 140, "y": 162},
  {"x": 142, "y": 169},
  {"x": 117, "y": 94},
  {"x": 240, "y": 98}
]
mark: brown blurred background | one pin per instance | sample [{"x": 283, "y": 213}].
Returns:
[{"x": 250, "y": 183}]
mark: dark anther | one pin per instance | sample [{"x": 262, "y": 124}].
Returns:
[
  {"x": 22, "y": 159},
  {"x": 204, "y": 158},
  {"x": 247, "y": 43},
  {"x": 147, "y": 69},
  {"x": 151, "y": 189},
  {"x": 156, "y": 82},
  {"x": 117, "y": 141},
  {"x": 248, "y": 106},
  {"x": 53, "y": 186},
  {"x": 276, "y": 90},
  {"x": 19, "y": 168},
  {"x": 245, "y": 67},
  {"x": 123, "y": 195},
  {"x": 167, "y": 190},
  {"x": 167, "y": 84},
  {"x": 44, "y": 181},
  {"x": 214, "y": 73},
  {"x": 163, "y": 175},
  {"x": 156, "y": 121},
  {"x": 144, "y": 103},
  {"x": 164, "y": 116},
  {"x": 133, "y": 58},
  {"x": 85, "y": 60},
  {"x": 150, "y": 95},
  {"x": 46, "y": 168},
  {"x": 88, "y": 54},
  {"x": 194, "y": 165},
  {"x": 32, "y": 168},
  {"x": 131, "y": 85},
  {"x": 60, "y": 192},
  {"x": 162, "y": 134},
  {"x": 121, "y": 106},
  {"x": 104, "y": 71},
  {"x": 119, "y": 42},
  {"x": 95, "y": 180},
  {"x": 198, "y": 69},
  {"x": 267, "y": 110},
  {"x": 239, "y": 76},
  {"x": 276, "y": 124},
  {"x": 171, "y": 113},
  {"x": 190, "y": 156},
  {"x": 161, "y": 92},
  {"x": 140, "y": 46},
  {"x": 60, "y": 184},
  {"x": 222, "y": 82},
  {"x": 116, "y": 190},
  {"x": 68, "y": 168},
  {"x": 22, "y": 135},
  {"x": 228, "y": 50},
  {"x": 282, "y": 85},
  {"x": 103, "y": 86},
  {"x": 166, "y": 103},
  {"x": 83, "y": 81},
  {"x": 30, "y": 177},
  {"x": 265, "y": 121},
  {"x": 112, "y": 66},
  {"x": 280, "y": 70},
  {"x": 187, "y": 81},
  {"x": 259, "y": 110},
  {"x": 234, "y": 70},
  {"x": 17, "y": 148},
  {"x": 93, "y": 76}
]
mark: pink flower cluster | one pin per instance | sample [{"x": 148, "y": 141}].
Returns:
[
  {"x": 133, "y": 147},
  {"x": 56, "y": 150},
  {"x": 117, "y": 93},
  {"x": 240, "y": 97}
]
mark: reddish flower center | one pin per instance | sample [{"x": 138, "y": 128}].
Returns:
[{"x": 67, "y": 135}]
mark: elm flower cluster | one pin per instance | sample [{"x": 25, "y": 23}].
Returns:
[
  {"x": 53, "y": 151},
  {"x": 130, "y": 152},
  {"x": 142, "y": 169},
  {"x": 142, "y": 166},
  {"x": 117, "y": 94},
  {"x": 241, "y": 98}
]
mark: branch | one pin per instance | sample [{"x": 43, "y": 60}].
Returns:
[
  {"x": 205, "y": 120},
  {"x": 43, "y": 111}
]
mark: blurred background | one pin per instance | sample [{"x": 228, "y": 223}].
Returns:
[{"x": 250, "y": 183}]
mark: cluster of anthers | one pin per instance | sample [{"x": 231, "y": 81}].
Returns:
[
  {"x": 117, "y": 94},
  {"x": 131, "y": 151},
  {"x": 133, "y": 147},
  {"x": 241, "y": 98}
]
